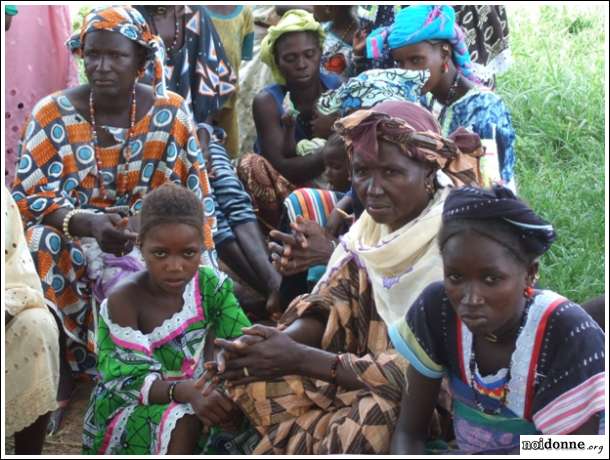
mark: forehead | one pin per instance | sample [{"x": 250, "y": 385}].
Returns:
[
  {"x": 475, "y": 250},
  {"x": 108, "y": 40},
  {"x": 294, "y": 42},
  {"x": 417, "y": 49},
  {"x": 389, "y": 153},
  {"x": 172, "y": 234}
]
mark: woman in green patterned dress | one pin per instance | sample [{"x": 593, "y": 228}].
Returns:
[{"x": 155, "y": 331}]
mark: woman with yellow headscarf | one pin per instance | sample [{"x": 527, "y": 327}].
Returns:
[{"x": 283, "y": 113}]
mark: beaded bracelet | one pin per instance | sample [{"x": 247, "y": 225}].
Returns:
[
  {"x": 66, "y": 223},
  {"x": 170, "y": 391}
]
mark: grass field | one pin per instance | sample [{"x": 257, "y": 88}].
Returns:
[{"x": 556, "y": 91}]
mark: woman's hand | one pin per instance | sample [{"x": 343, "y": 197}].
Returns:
[
  {"x": 272, "y": 354},
  {"x": 112, "y": 233},
  {"x": 309, "y": 245}
]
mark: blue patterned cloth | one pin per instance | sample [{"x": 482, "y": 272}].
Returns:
[
  {"x": 233, "y": 204},
  {"x": 485, "y": 113}
]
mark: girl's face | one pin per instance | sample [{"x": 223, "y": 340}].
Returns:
[
  {"x": 172, "y": 254},
  {"x": 337, "y": 167},
  {"x": 484, "y": 282},
  {"x": 422, "y": 56}
]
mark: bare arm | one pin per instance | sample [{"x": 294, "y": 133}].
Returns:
[
  {"x": 271, "y": 135},
  {"x": 418, "y": 401}
]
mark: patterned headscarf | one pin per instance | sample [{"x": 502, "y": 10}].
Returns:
[
  {"x": 131, "y": 24},
  {"x": 419, "y": 23},
  {"x": 292, "y": 21},
  {"x": 500, "y": 203},
  {"x": 417, "y": 133},
  {"x": 372, "y": 87}
]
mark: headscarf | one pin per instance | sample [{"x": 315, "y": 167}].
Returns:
[
  {"x": 419, "y": 23},
  {"x": 500, "y": 203},
  {"x": 372, "y": 87},
  {"x": 292, "y": 21},
  {"x": 131, "y": 24},
  {"x": 416, "y": 132}
]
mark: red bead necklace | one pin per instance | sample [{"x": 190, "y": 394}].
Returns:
[{"x": 122, "y": 176}]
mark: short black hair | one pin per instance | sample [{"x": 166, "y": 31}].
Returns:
[
  {"x": 497, "y": 230},
  {"x": 335, "y": 141},
  {"x": 171, "y": 204}
]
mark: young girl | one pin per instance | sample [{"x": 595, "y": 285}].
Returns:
[
  {"x": 428, "y": 37},
  {"x": 155, "y": 331},
  {"x": 519, "y": 360}
]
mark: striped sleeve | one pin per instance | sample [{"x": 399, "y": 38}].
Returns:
[
  {"x": 571, "y": 385},
  {"x": 569, "y": 411},
  {"x": 414, "y": 336}
]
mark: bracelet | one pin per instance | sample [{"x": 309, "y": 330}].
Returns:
[
  {"x": 66, "y": 223},
  {"x": 170, "y": 392},
  {"x": 333, "y": 369}
]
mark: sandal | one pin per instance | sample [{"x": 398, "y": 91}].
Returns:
[{"x": 57, "y": 417}]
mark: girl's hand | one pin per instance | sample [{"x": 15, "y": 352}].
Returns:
[
  {"x": 273, "y": 355},
  {"x": 215, "y": 408}
]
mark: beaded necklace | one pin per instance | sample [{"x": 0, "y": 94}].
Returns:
[
  {"x": 125, "y": 150},
  {"x": 472, "y": 366},
  {"x": 169, "y": 49}
]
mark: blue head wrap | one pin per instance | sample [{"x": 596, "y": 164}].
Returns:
[{"x": 419, "y": 23}]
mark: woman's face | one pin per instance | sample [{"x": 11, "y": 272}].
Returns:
[
  {"x": 172, "y": 255},
  {"x": 298, "y": 57},
  {"x": 422, "y": 56},
  {"x": 392, "y": 186},
  {"x": 484, "y": 282},
  {"x": 112, "y": 62}
]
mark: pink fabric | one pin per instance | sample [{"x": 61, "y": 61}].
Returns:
[{"x": 37, "y": 64}]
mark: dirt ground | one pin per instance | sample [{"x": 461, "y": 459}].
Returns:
[{"x": 68, "y": 440}]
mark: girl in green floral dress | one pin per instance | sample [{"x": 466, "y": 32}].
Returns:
[{"x": 155, "y": 332}]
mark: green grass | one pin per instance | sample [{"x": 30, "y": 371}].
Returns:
[{"x": 555, "y": 90}]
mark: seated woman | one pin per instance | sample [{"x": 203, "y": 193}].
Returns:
[
  {"x": 317, "y": 215},
  {"x": 427, "y": 37},
  {"x": 519, "y": 360},
  {"x": 31, "y": 342},
  {"x": 191, "y": 42},
  {"x": 327, "y": 380},
  {"x": 89, "y": 155},
  {"x": 292, "y": 49},
  {"x": 154, "y": 332}
]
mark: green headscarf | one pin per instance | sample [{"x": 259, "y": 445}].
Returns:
[{"x": 292, "y": 21}]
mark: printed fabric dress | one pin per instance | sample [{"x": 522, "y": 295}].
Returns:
[
  {"x": 120, "y": 419},
  {"x": 555, "y": 382},
  {"x": 58, "y": 170}
]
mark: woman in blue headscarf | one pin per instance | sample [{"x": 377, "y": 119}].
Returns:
[{"x": 428, "y": 37}]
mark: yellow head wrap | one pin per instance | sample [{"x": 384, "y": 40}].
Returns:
[{"x": 292, "y": 21}]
